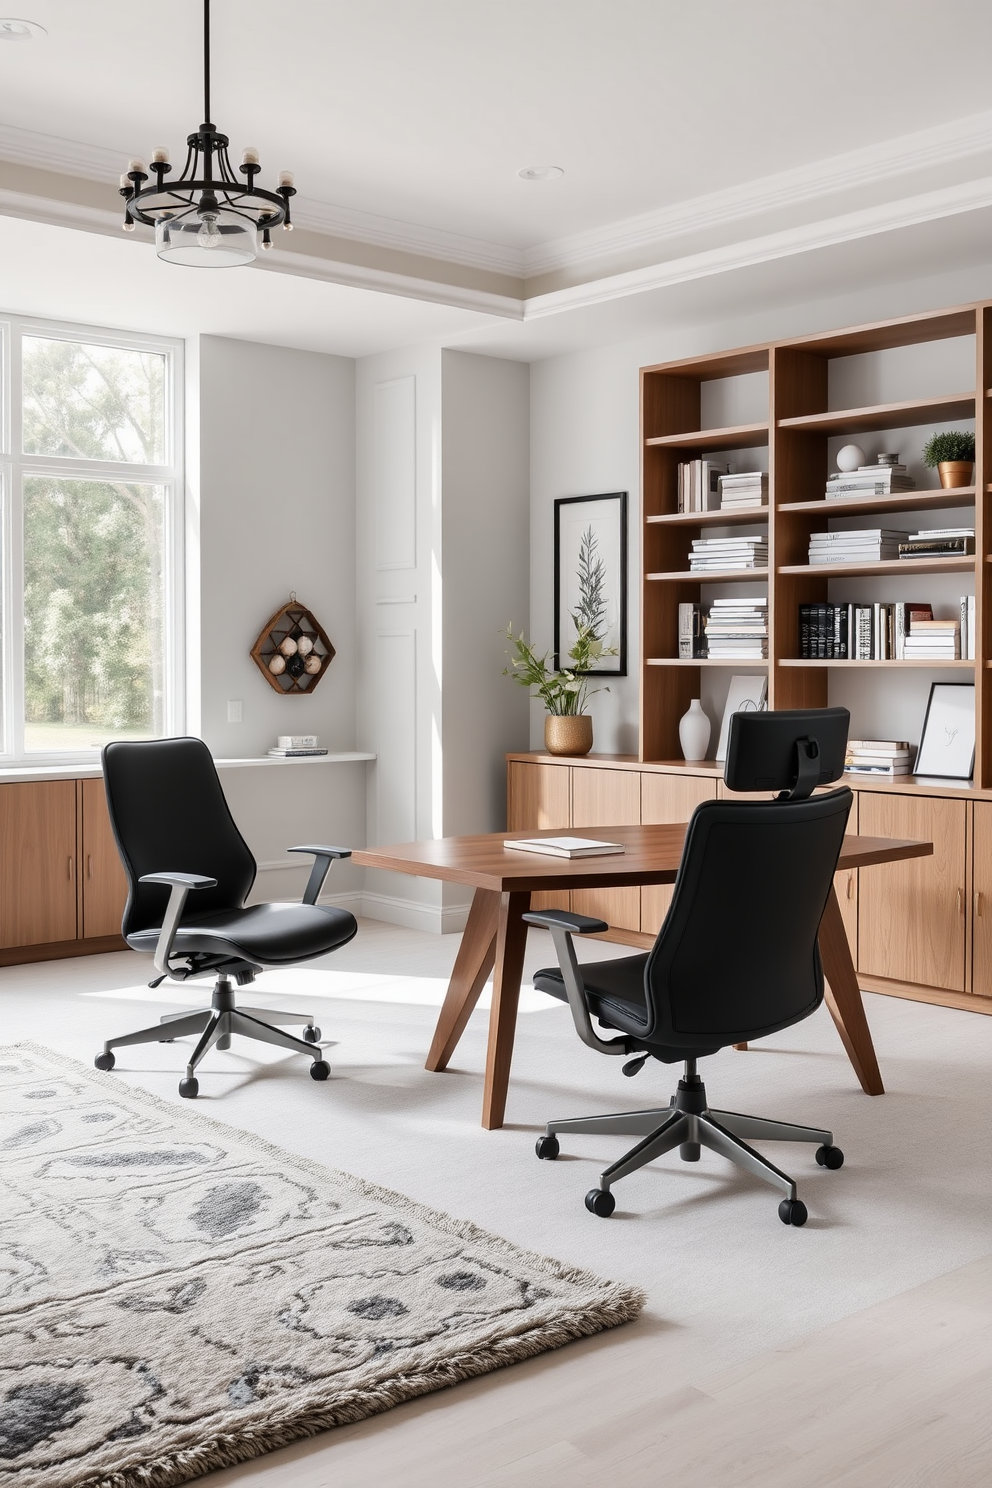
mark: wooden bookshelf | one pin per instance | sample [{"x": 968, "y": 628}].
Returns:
[{"x": 800, "y": 421}]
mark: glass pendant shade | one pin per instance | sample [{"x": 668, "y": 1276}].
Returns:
[{"x": 218, "y": 241}]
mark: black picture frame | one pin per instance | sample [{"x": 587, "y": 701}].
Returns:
[
  {"x": 949, "y": 704},
  {"x": 605, "y": 515}
]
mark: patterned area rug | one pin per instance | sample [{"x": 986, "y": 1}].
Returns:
[{"x": 178, "y": 1296}]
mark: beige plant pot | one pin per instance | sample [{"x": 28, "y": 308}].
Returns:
[
  {"x": 568, "y": 735},
  {"x": 955, "y": 473}
]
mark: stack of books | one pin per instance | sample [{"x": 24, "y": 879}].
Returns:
[
  {"x": 865, "y": 545},
  {"x": 692, "y": 646},
  {"x": 296, "y": 746},
  {"x": 938, "y": 542},
  {"x": 737, "y": 630},
  {"x": 933, "y": 640},
  {"x": 699, "y": 485},
  {"x": 883, "y": 478},
  {"x": 869, "y": 631},
  {"x": 885, "y": 757},
  {"x": 749, "y": 488},
  {"x": 716, "y": 553}
]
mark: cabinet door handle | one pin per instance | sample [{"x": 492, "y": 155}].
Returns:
[
  {"x": 960, "y": 901},
  {"x": 980, "y": 904},
  {"x": 850, "y": 886},
  {"x": 69, "y": 867},
  {"x": 89, "y": 865}
]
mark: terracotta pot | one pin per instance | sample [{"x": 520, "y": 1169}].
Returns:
[
  {"x": 956, "y": 473},
  {"x": 571, "y": 734}
]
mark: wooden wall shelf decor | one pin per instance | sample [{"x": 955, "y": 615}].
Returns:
[{"x": 293, "y": 650}]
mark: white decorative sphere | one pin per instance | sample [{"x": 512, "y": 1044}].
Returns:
[
  {"x": 312, "y": 664},
  {"x": 277, "y": 664},
  {"x": 288, "y": 646},
  {"x": 850, "y": 457},
  {"x": 304, "y": 645}
]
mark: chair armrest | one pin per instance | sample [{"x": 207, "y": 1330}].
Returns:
[
  {"x": 563, "y": 925},
  {"x": 180, "y": 884},
  {"x": 323, "y": 858},
  {"x": 575, "y": 923}
]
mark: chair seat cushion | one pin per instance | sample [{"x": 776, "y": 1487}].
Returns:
[
  {"x": 273, "y": 934},
  {"x": 616, "y": 996}
]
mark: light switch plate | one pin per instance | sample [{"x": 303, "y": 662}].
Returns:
[{"x": 235, "y": 711}]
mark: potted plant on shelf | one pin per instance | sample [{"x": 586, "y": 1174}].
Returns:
[
  {"x": 565, "y": 693},
  {"x": 952, "y": 455}
]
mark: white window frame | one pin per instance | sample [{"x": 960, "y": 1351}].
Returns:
[{"x": 15, "y": 466}]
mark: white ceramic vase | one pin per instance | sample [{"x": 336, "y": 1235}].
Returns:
[{"x": 694, "y": 732}]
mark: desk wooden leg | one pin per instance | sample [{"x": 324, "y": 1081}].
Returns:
[
  {"x": 843, "y": 997},
  {"x": 474, "y": 962},
  {"x": 510, "y": 942}
]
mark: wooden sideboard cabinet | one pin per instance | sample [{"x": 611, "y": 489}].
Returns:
[
  {"x": 62, "y": 888},
  {"x": 920, "y": 929}
]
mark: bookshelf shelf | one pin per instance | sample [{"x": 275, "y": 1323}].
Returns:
[
  {"x": 931, "y": 663},
  {"x": 754, "y": 663},
  {"x": 756, "y": 514},
  {"x": 887, "y": 566},
  {"x": 885, "y": 415},
  {"x": 737, "y": 436},
  {"x": 714, "y": 576},
  {"x": 905, "y": 501}
]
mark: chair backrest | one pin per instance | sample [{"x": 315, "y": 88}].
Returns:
[
  {"x": 169, "y": 815},
  {"x": 737, "y": 956}
]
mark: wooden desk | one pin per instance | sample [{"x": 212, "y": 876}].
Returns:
[{"x": 495, "y": 935}]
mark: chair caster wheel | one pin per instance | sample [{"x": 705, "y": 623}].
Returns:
[
  {"x": 189, "y": 1088},
  {"x": 320, "y": 1069},
  {"x": 830, "y": 1157},
  {"x": 105, "y": 1061},
  {"x": 311, "y": 1035},
  {"x": 689, "y": 1151},
  {"x": 599, "y": 1201},
  {"x": 793, "y": 1212},
  {"x": 547, "y": 1147}
]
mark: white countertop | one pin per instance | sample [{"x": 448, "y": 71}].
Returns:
[{"x": 14, "y": 774}]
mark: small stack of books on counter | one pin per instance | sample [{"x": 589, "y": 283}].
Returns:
[
  {"x": 737, "y": 630},
  {"x": 749, "y": 488},
  {"x": 716, "y": 553},
  {"x": 885, "y": 757},
  {"x": 938, "y": 542},
  {"x": 933, "y": 640},
  {"x": 885, "y": 478},
  {"x": 864, "y": 545},
  {"x": 296, "y": 746},
  {"x": 699, "y": 485}
]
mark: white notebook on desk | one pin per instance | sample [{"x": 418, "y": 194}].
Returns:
[{"x": 564, "y": 847}]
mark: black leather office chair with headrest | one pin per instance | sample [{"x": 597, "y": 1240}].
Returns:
[
  {"x": 176, "y": 836},
  {"x": 736, "y": 958}
]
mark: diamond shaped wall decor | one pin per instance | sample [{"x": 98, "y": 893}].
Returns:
[{"x": 293, "y": 650}]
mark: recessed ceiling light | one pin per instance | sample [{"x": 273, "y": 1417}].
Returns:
[
  {"x": 540, "y": 173},
  {"x": 12, "y": 29}
]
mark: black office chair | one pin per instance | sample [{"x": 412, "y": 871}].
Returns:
[
  {"x": 736, "y": 958},
  {"x": 175, "y": 835}
]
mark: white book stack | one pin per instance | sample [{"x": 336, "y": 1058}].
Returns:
[
  {"x": 933, "y": 640},
  {"x": 884, "y": 757},
  {"x": 713, "y": 554},
  {"x": 737, "y": 630},
  {"x": 881, "y": 479},
  {"x": 864, "y": 545},
  {"x": 749, "y": 488}
]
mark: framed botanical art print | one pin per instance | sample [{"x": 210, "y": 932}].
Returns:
[
  {"x": 591, "y": 577},
  {"x": 948, "y": 745}
]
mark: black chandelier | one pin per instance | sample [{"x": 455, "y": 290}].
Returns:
[{"x": 206, "y": 218}]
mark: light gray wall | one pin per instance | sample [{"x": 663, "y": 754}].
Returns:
[
  {"x": 485, "y": 518},
  {"x": 584, "y": 439}
]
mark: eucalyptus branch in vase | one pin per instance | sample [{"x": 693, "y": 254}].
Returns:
[{"x": 564, "y": 693}]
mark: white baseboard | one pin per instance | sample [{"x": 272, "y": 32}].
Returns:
[{"x": 414, "y": 916}]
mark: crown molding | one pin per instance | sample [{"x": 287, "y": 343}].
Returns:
[
  {"x": 871, "y": 165},
  {"x": 929, "y": 206}
]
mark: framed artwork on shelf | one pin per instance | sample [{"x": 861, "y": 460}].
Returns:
[
  {"x": 591, "y": 577},
  {"x": 947, "y": 748},
  {"x": 745, "y": 695}
]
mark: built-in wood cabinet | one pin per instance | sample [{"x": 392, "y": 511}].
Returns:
[
  {"x": 539, "y": 798},
  {"x": 920, "y": 929},
  {"x": 62, "y": 889}
]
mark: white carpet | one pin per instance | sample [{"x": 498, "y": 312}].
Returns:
[{"x": 725, "y": 1279}]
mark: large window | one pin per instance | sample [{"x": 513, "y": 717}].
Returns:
[{"x": 91, "y": 488}]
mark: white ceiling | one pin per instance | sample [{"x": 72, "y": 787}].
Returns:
[{"x": 409, "y": 119}]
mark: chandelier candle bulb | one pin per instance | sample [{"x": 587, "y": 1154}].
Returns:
[
  {"x": 160, "y": 156},
  {"x": 138, "y": 167},
  {"x": 285, "y": 178},
  {"x": 249, "y": 156},
  {"x": 125, "y": 183}
]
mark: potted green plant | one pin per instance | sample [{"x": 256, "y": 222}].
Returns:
[
  {"x": 952, "y": 455},
  {"x": 565, "y": 693}
]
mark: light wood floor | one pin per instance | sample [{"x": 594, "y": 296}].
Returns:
[{"x": 896, "y": 1396}]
